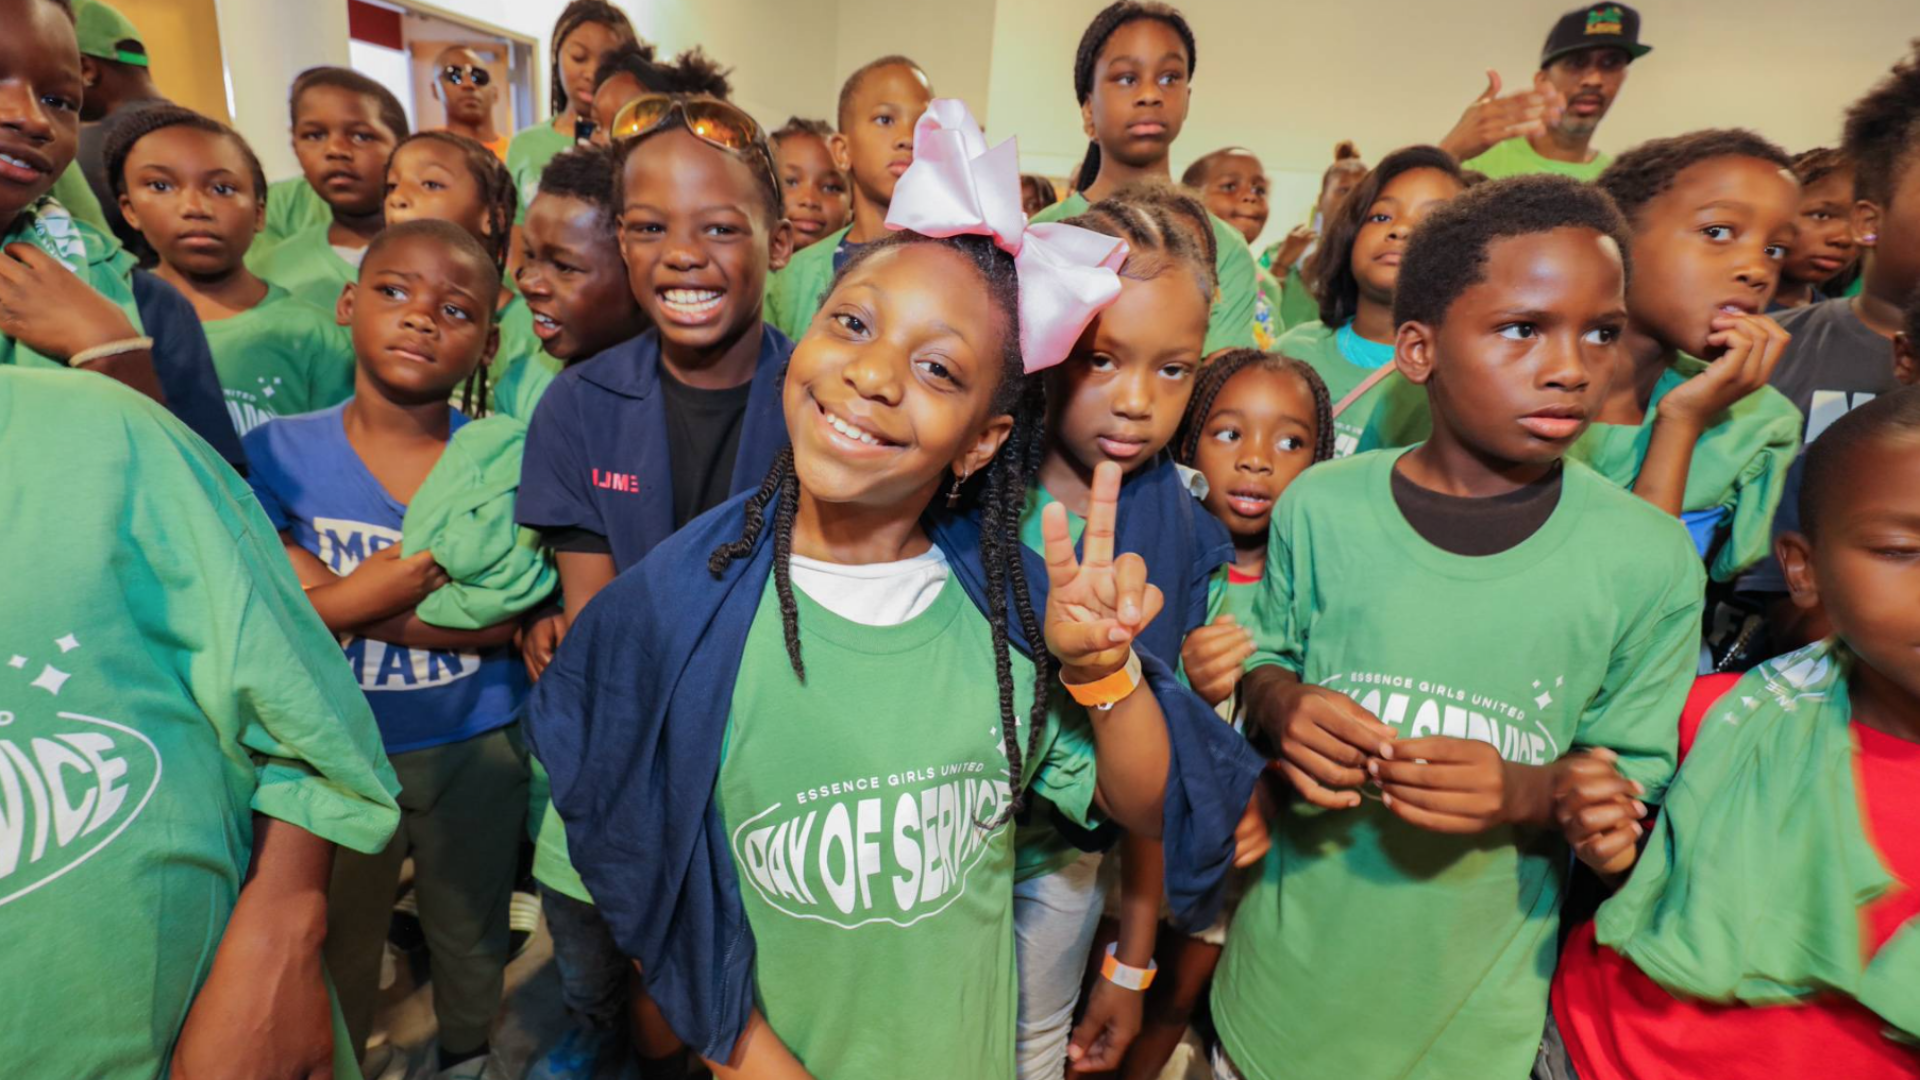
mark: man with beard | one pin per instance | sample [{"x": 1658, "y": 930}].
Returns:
[{"x": 1550, "y": 127}]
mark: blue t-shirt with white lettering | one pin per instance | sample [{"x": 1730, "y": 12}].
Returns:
[{"x": 315, "y": 487}]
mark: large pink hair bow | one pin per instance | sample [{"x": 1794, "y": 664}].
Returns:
[{"x": 957, "y": 187}]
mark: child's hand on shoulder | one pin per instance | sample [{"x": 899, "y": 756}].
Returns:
[
  {"x": 1326, "y": 739},
  {"x": 1599, "y": 810},
  {"x": 51, "y": 310},
  {"x": 1214, "y": 657},
  {"x": 1752, "y": 345},
  {"x": 1098, "y": 604}
]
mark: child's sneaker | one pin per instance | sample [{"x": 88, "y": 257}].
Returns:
[{"x": 575, "y": 1057}]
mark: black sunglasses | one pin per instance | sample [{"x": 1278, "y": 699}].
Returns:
[{"x": 458, "y": 73}]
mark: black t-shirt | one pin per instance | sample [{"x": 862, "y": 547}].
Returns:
[
  {"x": 843, "y": 252},
  {"x": 1468, "y": 526},
  {"x": 1833, "y": 364},
  {"x": 703, "y": 439}
]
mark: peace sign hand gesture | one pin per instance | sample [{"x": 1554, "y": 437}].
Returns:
[{"x": 1096, "y": 605}]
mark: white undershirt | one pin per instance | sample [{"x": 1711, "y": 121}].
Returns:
[
  {"x": 873, "y": 594},
  {"x": 354, "y": 256}
]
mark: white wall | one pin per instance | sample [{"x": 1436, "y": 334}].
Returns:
[
  {"x": 1291, "y": 79},
  {"x": 1288, "y": 79},
  {"x": 265, "y": 44},
  {"x": 952, "y": 41}
]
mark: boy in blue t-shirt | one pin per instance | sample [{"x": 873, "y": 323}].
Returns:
[{"x": 336, "y": 483}]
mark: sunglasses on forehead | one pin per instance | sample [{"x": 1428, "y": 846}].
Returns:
[
  {"x": 459, "y": 73},
  {"x": 713, "y": 122}
]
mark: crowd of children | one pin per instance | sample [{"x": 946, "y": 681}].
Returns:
[{"x": 904, "y": 618}]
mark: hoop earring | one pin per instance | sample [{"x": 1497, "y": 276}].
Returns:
[{"x": 953, "y": 493}]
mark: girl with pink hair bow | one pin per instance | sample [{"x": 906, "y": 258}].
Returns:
[{"x": 784, "y": 770}]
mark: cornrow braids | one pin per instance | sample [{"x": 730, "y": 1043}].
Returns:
[
  {"x": 1163, "y": 228},
  {"x": 1335, "y": 286},
  {"x": 577, "y": 14},
  {"x": 144, "y": 122},
  {"x": 1000, "y": 496},
  {"x": 1214, "y": 378},
  {"x": 496, "y": 187},
  {"x": 1111, "y": 18}
]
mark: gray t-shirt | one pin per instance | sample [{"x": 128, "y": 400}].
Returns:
[{"x": 1834, "y": 363}]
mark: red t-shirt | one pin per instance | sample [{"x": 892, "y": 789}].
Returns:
[{"x": 1621, "y": 1025}]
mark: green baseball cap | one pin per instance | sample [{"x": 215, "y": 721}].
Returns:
[{"x": 106, "y": 34}]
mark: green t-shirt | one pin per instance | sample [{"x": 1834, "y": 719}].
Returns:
[
  {"x": 1517, "y": 157},
  {"x": 881, "y": 911},
  {"x": 306, "y": 265},
  {"x": 1371, "y": 948},
  {"x": 1738, "y": 473},
  {"x": 292, "y": 207},
  {"x": 794, "y": 293},
  {"x": 1230, "y": 323},
  {"x": 1298, "y": 306},
  {"x": 167, "y": 680},
  {"x": 95, "y": 256},
  {"x": 1039, "y": 849},
  {"x": 1392, "y": 405},
  {"x": 1229, "y": 594},
  {"x": 527, "y": 157},
  {"x": 73, "y": 192},
  {"x": 521, "y": 369},
  {"x": 281, "y": 357}
]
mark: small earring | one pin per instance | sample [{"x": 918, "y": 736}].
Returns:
[
  {"x": 1870, "y": 238},
  {"x": 953, "y": 493}
]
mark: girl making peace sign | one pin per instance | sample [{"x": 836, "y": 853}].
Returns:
[{"x": 781, "y": 769}]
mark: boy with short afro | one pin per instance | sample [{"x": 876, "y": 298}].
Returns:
[{"x": 1483, "y": 688}]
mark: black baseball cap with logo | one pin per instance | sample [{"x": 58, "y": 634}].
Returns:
[{"x": 1597, "y": 26}]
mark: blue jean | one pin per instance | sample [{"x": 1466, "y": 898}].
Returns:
[
  {"x": 1054, "y": 919},
  {"x": 593, "y": 971}
]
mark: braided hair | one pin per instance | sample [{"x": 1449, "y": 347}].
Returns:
[
  {"x": 1163, "y": 227},
  {"x": 495, "y": 182},
  {"x": 577, "y": 14},
  {"x": 1111, "y": 18},
  {"x": 999, "y": 493},
  {"x": 501, "y": 199},
  {"x": 1214, "y": 378}
]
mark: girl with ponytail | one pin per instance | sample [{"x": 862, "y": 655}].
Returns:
[{"x": 1132, "y": 77}]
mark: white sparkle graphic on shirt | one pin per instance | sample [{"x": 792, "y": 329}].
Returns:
[
  {"x": 51, "y": 679},
  {"x": 67, "y": 644},
  {"x": 17, "y": 662}
]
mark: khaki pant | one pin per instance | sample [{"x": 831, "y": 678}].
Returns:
[{"x": 463, "y": 810}]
